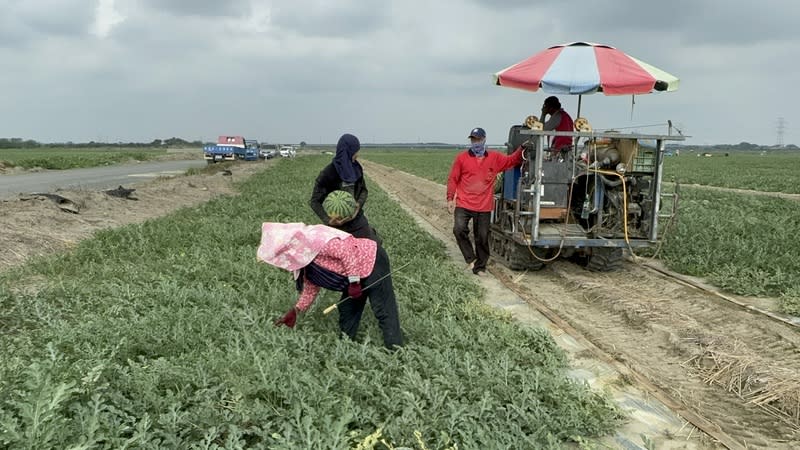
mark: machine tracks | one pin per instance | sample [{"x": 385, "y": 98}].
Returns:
[
  {"x": 730, "y": 370},
  {"x": 709, "y": 353}
]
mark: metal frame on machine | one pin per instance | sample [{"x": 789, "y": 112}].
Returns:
[{"x": 535, "y": 240}]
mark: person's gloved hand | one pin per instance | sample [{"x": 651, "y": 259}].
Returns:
[
  {"x": 337, "y": 222},
  {"x": 289, "y": 319},
  {"x": 354, "y": 290}
]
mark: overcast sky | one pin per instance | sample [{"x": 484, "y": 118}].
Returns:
[{"x": 393, "y": 70}]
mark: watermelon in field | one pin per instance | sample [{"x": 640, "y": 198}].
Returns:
[{"x": 339, "y": 205}]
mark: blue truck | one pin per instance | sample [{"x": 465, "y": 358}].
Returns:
[{"x": 231, "y": 148}]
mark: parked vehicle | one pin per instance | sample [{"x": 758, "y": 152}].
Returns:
[
  {"x": 249, "y": 152},
  {"x": 268, "y": 151},
  {"x": 287, "y": 151},
  {"x": 231, "y": 148}
]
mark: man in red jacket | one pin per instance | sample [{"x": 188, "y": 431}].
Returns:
[{"x": 470, "y": 196}]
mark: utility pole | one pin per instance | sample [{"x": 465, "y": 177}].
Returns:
[{"x": 781, "y": 131}]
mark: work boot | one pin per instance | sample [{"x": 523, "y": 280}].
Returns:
[{"x": 470, "y": 267}]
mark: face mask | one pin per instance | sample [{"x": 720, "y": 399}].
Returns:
[{"x": 478, "y": 148}]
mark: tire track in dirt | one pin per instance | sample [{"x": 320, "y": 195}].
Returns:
[
  {"x": 658, "y": 337},
  {"x": 668, "y": 332}
]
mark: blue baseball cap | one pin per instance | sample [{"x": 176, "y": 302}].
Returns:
[{"x": 478, "y": 133}]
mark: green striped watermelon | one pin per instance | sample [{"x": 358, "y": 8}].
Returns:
[{"x": 339, "y": 205}]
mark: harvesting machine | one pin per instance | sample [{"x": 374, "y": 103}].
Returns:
[
  {"x": 586, "y": 204},
  {"x": 604, "y": 193}
]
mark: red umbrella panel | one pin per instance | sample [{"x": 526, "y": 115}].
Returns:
[{"x": 585, "y": 68}]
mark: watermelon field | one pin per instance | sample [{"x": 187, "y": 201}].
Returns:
[
  {"x": 57, "y": 158},
  {"x": 160, "y": 335},
  {"x": 775, "y": 171},
  {"x": 431, "y": 164},
  {"x": 742, "y": 243}
]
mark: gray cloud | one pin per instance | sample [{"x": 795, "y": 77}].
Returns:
[
  {"x": 55, "y": 17},
  {"x": 397, "y": 70},
  {"x": 14, "y": 35},
  {"x": 22, "y": 22},
  {"x": 506, "y": 4},
  {"x": 204, "y": 8},
  {"x": 344, "y": 18},
  {"x": 710, "y": 22},
  {"x": 721, "y": 22}
]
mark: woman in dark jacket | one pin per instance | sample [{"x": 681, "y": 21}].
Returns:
[{"x": 346, "y": 174}]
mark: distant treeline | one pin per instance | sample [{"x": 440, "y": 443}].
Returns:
[{"x": 30, "y": 143}]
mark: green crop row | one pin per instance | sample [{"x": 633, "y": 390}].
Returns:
[
  {"x": 431, "y": 164},
  {"x": 160, "y": 335},
  {"x": 58, "y": 158},
  {"x": 745, "y": 244},
  {"x": 742, "y": 243},
  {"x": 772, "y": 172}
]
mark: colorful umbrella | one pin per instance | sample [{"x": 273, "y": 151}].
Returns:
[{"x": 585, "y": 68}]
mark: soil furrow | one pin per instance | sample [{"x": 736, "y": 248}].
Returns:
[{"x": 717, "y": 359}]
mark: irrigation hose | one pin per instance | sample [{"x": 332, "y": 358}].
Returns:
[{"x": 544, "y": 260}]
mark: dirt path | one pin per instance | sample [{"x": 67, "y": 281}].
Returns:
[
  {"x": 738, "y": 369},
  {"x": 35, "y": 225},
  {"x": 783, "y": 195}
]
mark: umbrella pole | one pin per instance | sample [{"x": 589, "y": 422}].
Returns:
[{"x": 576, "y": 140}]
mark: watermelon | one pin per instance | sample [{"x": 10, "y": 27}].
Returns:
[{"x": 339, "y": 205}]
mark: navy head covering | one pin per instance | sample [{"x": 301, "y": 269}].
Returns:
[{"x": 349, "y": 171}]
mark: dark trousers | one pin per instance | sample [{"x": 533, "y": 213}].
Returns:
[
  {"x": 360, "y": 228},
  {"x": 381, "y": 299},
  {"x": 480, "y": 226}
]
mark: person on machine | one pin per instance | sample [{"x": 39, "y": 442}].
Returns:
[{"x": 559, "y": 121}]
